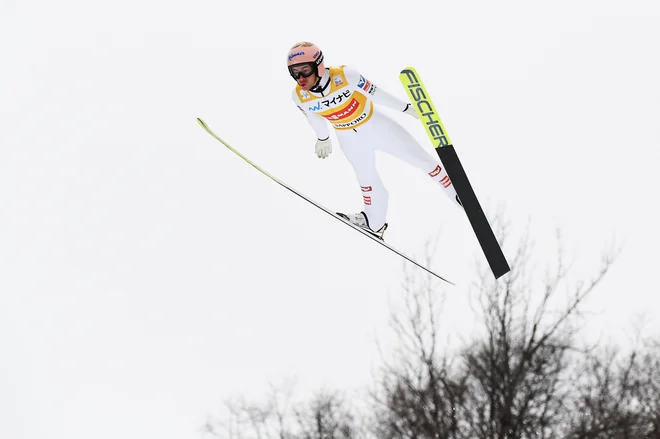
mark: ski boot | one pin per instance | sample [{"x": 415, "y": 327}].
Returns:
[{"x": 361, "y": 220}]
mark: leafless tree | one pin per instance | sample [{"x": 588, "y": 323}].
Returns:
[
  {"x": 618, "y": 395},
  {"x": 526, "y": 375},
  {"x": 510, "y": 383},
  {"x": 327, "y": 415},
  {"x": 417, "y": 393}
]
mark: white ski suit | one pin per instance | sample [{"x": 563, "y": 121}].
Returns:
[{"x": 346, "y": 99}]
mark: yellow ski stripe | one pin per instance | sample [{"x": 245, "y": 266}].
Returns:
[
  {"x": 208, "y": 130},
  {"x": 424, "y": 107}
]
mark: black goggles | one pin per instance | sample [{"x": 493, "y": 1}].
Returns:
[{"x": 302, "y": 70}]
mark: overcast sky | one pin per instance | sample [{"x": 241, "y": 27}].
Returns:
[{"x": 146, "y": 272}]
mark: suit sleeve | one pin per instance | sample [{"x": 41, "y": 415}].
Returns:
[
  {"x": 378, "y": 95},
  {"x": 318, "y": 123}
]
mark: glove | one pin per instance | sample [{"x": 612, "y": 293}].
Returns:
[
  {"x": 410, "y": 110},
  {"x": 323, "y": 148}
]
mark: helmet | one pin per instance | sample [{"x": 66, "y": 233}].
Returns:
[{"x": 305, "y": 53}]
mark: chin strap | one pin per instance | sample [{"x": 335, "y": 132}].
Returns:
[{"x": 317, "y": 87}]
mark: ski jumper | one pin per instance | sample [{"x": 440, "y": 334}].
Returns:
[{"x": 345, "y": 99}]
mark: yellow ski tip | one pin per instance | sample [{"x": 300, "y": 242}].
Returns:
[{"x": 407, "y": 70}]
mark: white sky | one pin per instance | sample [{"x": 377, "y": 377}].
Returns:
[{"x": 146, "y": 272}]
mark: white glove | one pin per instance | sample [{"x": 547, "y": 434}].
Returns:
[
  {"x": 410, "y": 110},
  {"x": 323, "y": 148}
]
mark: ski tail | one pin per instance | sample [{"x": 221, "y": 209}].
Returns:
[
  {"x": 447, "y": 153},
  {"x": 326, "y": 210}
]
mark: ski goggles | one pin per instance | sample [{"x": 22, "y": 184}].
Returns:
[{"x": 302, "y": 70}]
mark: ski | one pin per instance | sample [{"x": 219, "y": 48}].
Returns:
[
  {"x": 329, "y": 212},
  {"x": 447, "y": 153}
]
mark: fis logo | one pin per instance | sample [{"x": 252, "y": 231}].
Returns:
[{"x": 363, "y": 83}]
